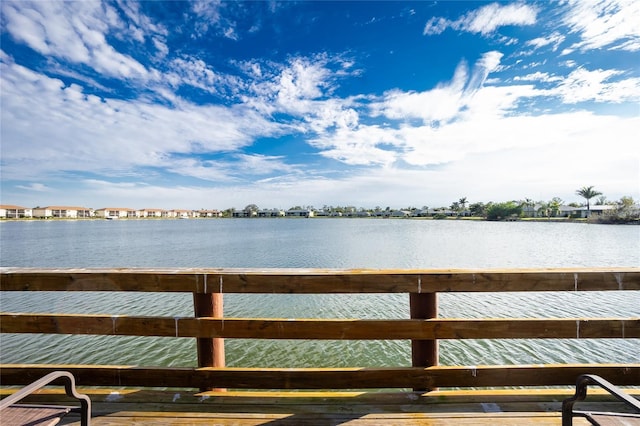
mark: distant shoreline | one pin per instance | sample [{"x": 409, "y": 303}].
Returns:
[{"x": 593, "y": 220}]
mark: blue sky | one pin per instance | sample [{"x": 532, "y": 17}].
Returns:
[{"x": 214, "y": 104}]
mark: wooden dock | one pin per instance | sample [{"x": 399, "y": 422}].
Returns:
[
  {"x": 212, "y": 393},
  {"x": 144, "y": 407}
]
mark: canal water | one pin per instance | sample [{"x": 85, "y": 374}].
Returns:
[{"x": 318, "y": 243}]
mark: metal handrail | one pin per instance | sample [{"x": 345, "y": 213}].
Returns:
[
  {"x": 70, "y": 389},
  {"x": 581, "y": 393}
]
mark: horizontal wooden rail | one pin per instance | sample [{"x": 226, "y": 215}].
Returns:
[
  {"x": 424, "y": 328},
  {"x": 327, "y": 378},
  {"x": 329, "y": 329},
  {"x": 319, "y": 281}
]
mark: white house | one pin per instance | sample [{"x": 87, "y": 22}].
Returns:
[
  {"x": 149, "y": 213},
  {"x": 181, "y": 214},
  {"x": 271, "y": 213},
  {"x": 114, "y": 213},
  {"x": 209, "y": 213},
  {"x": 14, "y": 212},
  {"x": 62, "y": 212},
  {"x": 299, "y": 213},
  {"x": 594, "y": 210}
]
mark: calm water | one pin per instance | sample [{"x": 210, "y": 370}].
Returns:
[{"x": 318, "y": 243}]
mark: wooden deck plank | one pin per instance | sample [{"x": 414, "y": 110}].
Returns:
[
  {"x": 363, "y": 409},
  {"x": 369, "y": 420},
  {"x": 482, "y": 407}
]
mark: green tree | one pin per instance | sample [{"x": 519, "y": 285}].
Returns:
[
  {"x": 626, "y": 210},
  {"x": 626, "y": 203},
  {"x": 554, "y": 206},
  {"x": 478, "y": 209},
  {"x": 501, "y": 211},
  {"x": 587, "y": 192}
]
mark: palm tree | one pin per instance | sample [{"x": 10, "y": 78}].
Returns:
[
  {"x": 544, "y": 209},
  {"x": 587, "y": 192},
  {"x": 463, "y": 205}
]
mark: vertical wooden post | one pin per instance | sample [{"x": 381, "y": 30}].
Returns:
[
  {"x": 424, "y": 353},
  {"x": 210, "y": 351}
]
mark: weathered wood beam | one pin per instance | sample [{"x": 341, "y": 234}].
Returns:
[
  {"x": 306, "y": 281},
  {"x": 326, "y": 378},
  {"x": 328, "y": 329}
]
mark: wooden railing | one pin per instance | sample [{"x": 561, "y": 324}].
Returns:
[{"x": 424, "y": 328}]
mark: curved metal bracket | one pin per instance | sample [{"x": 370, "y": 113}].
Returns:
[
  {"x": 581, "y": 393},
  {"x": 70, "y": 389}
]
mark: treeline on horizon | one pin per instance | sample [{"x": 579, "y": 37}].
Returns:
[{"x": 624, "y": 210}]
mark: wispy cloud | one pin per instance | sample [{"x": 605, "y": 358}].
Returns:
[
  {"x": 194, "y": 72},
  {"x": 444, "y": 102},
  {"x": 363, "y": 145},
  {"x": 583, "y": 85},
  {"x": 72, "y": 31},
  {"x": 37, "y": 187},
  {"x": 610, "y": 24},
  {"x": 485, "y": 20},
  {"x": 554, "y": 40},
  {"x": 80, "y": 132},
  {"x": 538, "y": 76},
  {"x": 234, "y": 168}
]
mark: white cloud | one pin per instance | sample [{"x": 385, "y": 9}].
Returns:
[
  {"x": 303, "y": 89},
  {"x": 487, "y": 63},
  {"x": 37, "y": 187},
  {"x": 230, "y": 33},
  {"x": 513, "y": 158},
  {"x": 446, "y": 101},
  {"x": 436, "y": 25},
  {"x": 196, "y": 73},
  {"x": 463, "y": 118},
  {"x": 194, "y": 167},
  {"x": 554, "y": 39},
  {"x": 300, "y": 81},
  {"x": 359, "y": 146},
  {"x": 209, "y": 13},
  {"x": 583, "y": 85},
  {"x": 237, "y": 167},
  {"x": 72, "y": 31},
  {"x": 500, "y": 134},
  {"x": 79, "y": 132},
  {"x": 485, "y": 20},
  {"x": 210, "y": 16},
  {"x": 256, "y": 164},
  {"x": 442, "y": 103},
  {"x": 611, "y": 24},
  {"x": 538, "y": 76}
]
